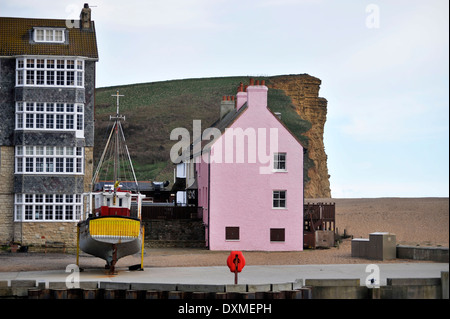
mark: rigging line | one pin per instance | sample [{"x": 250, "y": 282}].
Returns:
[
  {"x": 101, "y": 158},
  {"x": 129, "y": 158}
]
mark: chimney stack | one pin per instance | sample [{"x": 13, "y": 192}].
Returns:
[
  {"x": 257, "y": 94},
  {"x": 85, "y": 18},
  {"x": 226, "y": 105}
]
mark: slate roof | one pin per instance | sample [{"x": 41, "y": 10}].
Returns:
[{"x": 16, "y": 39}]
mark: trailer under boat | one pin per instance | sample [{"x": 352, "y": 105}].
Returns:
[{"x": 111, "y": 225}]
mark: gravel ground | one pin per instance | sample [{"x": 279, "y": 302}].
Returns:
[{"x": 414, "y": 221}]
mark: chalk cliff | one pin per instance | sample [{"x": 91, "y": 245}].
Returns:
[{"x": 303, "y": 90}]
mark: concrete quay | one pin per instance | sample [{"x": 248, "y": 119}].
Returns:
[{"x": 398, "y": 281}]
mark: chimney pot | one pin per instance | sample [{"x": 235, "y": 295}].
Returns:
[
  {"x": 224, "y": 98},
  {"x": 252, "y": 81},
  {"x": 257, "y": 82},
  {"x": 263, "y": 82}
]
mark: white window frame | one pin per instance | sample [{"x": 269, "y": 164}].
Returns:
[
  {"x": 276, "y": 196},
  {"x": 49, "y": 160},
  {"x": 46, "y": 116},
  {"x": 49, "y": 35},
  {"x": 50, "y": 73},
  {"x": 276, "y": 162},
  {"x": 48, "y": 207}
]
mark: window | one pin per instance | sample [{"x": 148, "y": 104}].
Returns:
[
  {"x": 50, "y": 78},
  {"x": 70, "y": 78},
  {"x": 40, "y": 63},
  {"x": 19, "y": 121},
  {"x": 39, "y": 121},
  {"x": 59, "y": 165},
  {"x": 279, "y": 199},
  {"x": 40, "y": 77},
  {"x": 59, "y": 78},
  {"x": 30, "y": 77},
  {"x": 48, "y": 207},
  {"x": 49, "y": 35},
  {"x": 277, "y": 234},
  {"x": 50, "y": 72},
  {"x": 279, "y": 161},
  {"x": 49, "y": 159},
  {"x": 20, "y": 77},
  {"x": 59, "y": 35},
  {"x": 41, "y": 116},
  {"x": 231, "y": 233},
  {"x": 39, "y": 35}
]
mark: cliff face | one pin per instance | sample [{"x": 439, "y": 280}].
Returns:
[{"x": 303, "y": 90}]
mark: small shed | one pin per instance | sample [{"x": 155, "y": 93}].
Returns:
[{"x": 319, "y": 225}]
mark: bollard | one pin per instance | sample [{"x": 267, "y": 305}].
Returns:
[
  {"x": 199, "y": 295},
  {"x": 273, "y": 295},
  {"x": 151, "y": 294},
  {"x": 248, "y": 295},
  {"x": 375, "y": 293},
  {"x": 220, "y": 295},
  {"x": 58, "y": 293},
  {"x": 292, "y": 294},
  {"x": 75, "y": 293},
  {"x": 131, "y": 294},
  {"x": 90, "y": 293},
  {"x": 233, "y": 295},
  {"x": 259, "y": 294},
  {"x": 34, "y": 293},
  {"x": 306, "y": 292},
  {"x": 109, "y": 294},
  {"x": 175, "y": 295}
]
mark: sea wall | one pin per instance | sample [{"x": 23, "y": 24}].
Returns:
[{"x": 398, "y": 288}]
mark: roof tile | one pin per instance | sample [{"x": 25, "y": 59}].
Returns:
[{"x": 15, "y": 35}]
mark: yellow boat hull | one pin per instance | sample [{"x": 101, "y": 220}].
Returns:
[{"x": 111, "y": 238}]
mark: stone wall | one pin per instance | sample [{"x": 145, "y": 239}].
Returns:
[
  {"x": 174, "y": 233},
  {"x": 88, "y": 168},
  {"x": 38, "y": 233},
  {"x": 6, "y": 193},
  {"x": 7, "y": 106}
]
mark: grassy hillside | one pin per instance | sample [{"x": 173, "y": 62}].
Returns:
[{"x": 152, "y": 110}]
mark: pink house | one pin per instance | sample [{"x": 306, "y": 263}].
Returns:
[{"x": 250, "y": 178}]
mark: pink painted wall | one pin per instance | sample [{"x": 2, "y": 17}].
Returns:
[{"x": 240, "y": 196}]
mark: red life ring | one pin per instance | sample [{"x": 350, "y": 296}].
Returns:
[{"x": 231, "y": 261}]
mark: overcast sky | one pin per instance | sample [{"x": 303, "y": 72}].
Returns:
[{"x": 384, "y": 66}]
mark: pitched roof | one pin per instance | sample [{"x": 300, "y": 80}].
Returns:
[
  {"x": 221, "y": 124},
  {"x": 15, "y": 39}
]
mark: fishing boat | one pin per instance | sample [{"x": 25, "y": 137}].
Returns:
[{"x": 111, "y": 226}]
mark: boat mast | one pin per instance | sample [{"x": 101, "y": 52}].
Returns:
[{"x": 116, "y": 118}]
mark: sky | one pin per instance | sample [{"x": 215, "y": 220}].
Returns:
[{"x": 384, "y": 67}]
